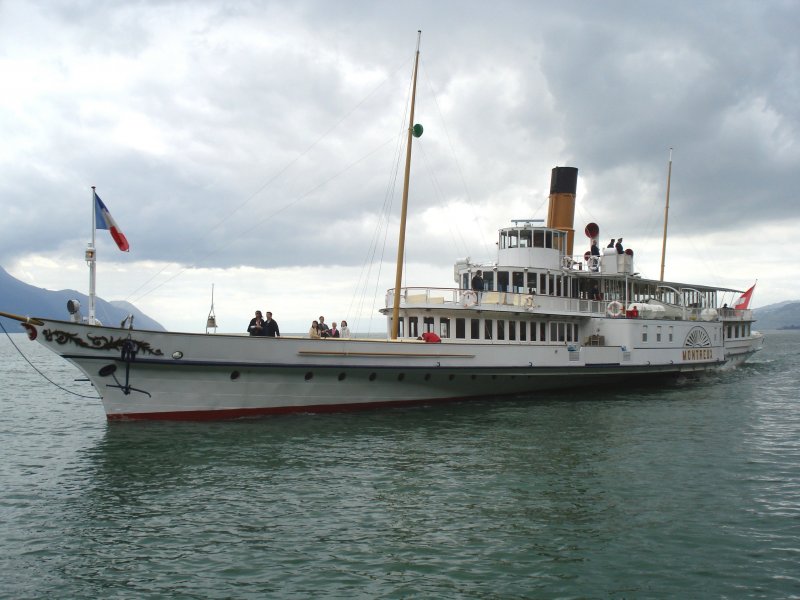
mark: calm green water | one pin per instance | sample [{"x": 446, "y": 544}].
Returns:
[{"x": 687, "y": 492}]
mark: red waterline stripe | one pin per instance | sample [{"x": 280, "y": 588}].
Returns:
[{"x": 238, "y": 413}]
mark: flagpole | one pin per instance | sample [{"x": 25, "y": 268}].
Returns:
[{"x": 91, "y": 256}]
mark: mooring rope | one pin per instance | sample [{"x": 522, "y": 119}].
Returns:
[{"x": 62, "y": 388}]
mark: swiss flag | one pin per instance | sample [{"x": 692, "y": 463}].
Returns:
[{"x": 744, "y": 300}]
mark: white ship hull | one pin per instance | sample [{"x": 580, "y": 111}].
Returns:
[{"x": 195, "y": 376}]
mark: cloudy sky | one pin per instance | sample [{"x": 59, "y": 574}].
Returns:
[{"x": 254, "y": 145}]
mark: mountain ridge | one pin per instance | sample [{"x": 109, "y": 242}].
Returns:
[{"x": 21, "y": 298}]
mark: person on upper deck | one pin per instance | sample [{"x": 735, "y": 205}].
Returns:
[
  {"x": 477, "y": 282},
  {"x": 345, "y": 330},
  {"x": 256, "y": 326},
  {"x": 323, "y": 327},
  {"x": 333, "y": 332},
  {"x": 611, "y": 243},
  {"x": 618, "y": 246},
  {"x": 595, "y": 249},
  {"x": 271, "y": 327},
  {"x": 313, "y": 331}
]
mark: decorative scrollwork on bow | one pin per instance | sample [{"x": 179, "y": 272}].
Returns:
[{"x": 97, "y": 342}]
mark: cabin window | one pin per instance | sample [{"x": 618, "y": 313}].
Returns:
[
  {"x": 538, "y": 238},
  {"x": 488, "y": 280},
  {"x": 534, "y": 328},
  {"x": 542, "y": 283},
  {"x": 531, "y": 283},
  {"x": 559, "y": 283},
  {"x": 525, "y": 239},
  {"x": 487, "y": 329},
  {"x": 669, "y": 333},
  {"x": 518, "y": 282},
  {"x": 658, "y": 333},
  {"x": 644, "y": 333},
  {"x": 502, "y": 240},
  {"x": 553, "y": 332},
  {"x": 501, "y": 330},
  {"x": 575, "y": 337},
  {"x": 551, "y": 284},
  {"x": 548, "y": 239},
  {"x": 513, "y": 239},
  {"x": 512, "y": 330},
  {"x": 475, "y": 329},
  {"x": 502, "y": 281},
  {"x": 523, "y": 331},
  {"x": 401, "y": 327},
  {"x": 444, "y": 328},
  {"x": 465, "y": 281},
  {"x": 413, "y": 326},
  {"x": 428, "y": 324},
  {"x": 461, "y": 329},
  {"x": 730, "y": 331},
  {"x": 542, "y": 331}
]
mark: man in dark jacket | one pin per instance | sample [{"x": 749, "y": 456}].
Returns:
[{"x": 271, "y": 326}]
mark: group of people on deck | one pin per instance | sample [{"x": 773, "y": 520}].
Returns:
[
  {"x": 263, "y": 327},
  {"x": 320, "y": 329},
  {"x": 614, "y": 243},
  {"x": 259, "y": 326}
]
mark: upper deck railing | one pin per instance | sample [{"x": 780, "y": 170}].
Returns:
[{"x": 429, "y": 298}]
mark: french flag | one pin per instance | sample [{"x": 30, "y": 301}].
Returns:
[{"x": 104, "y": 220}]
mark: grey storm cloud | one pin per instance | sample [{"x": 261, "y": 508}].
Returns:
[{"x": 261, "y": 134}]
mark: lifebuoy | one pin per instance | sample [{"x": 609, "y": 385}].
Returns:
[
  {"x": 615, "y": 309},
  {"x": 469, "y": 298},
  {"x": 566, "y": 262},
  {"x": 594, "y": 263},
  {"x": 529, "y": 302}
]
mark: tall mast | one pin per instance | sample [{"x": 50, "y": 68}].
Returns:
[
  {"x": 402, "y": 237},
  {"x": 666, "y": 217}
]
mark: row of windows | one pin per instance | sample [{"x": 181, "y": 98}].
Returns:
[
  {"x": 646, "y": 329},
  {"x": 738, "y": 330},
  {"x": 523, "y": 282},
  {"x": 532, "y": 238},
  {"x": 493, "y": 329}
]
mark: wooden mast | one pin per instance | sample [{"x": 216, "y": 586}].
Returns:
[
  {"x": 403, "y": 212},
  {"x": 666, "y": 217}
]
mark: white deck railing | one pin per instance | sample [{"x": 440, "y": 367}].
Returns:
[{"x": 428, "y": 297}]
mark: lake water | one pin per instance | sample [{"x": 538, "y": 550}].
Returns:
[{"x": 689, "y": 491}]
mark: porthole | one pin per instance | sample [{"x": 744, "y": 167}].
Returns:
[
  {"x": 235, "y": 375},
  {"x": 342, "y": 376},
  {"x": 107, "y": 370},
  {"x": 401, "y": 376},
  {"x": 177, "y": 355},
  {"x": 309, "y": 375},
  {"x": 372, "y": 376}
]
